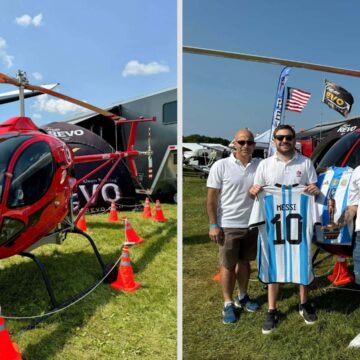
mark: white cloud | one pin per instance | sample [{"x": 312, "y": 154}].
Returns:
[
  {"x": 135, "y": 68},
  {"x": 36, "y": 116},
  {"x": 44, "y": 103},
  {"x": 37, "y": 76},
  {"x": 7, "y": 60},
  {"x": 26, "y": 20},
  {"x": 37, "y": 20}
]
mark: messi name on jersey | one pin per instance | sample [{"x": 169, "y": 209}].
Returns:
[
  {"x": 285, "y": 217},
  {"x": 283, "y": 207}
]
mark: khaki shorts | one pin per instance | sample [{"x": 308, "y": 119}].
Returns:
[{"x": 238, "y": 244}]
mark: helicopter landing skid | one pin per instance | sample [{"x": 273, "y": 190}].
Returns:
[{"x": 55, "y": 305}]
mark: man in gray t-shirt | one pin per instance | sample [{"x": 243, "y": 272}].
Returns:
[{"x": 229, "y": 205}]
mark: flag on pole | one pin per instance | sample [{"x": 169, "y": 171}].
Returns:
[
  {"x": 278, "y": 108},
  {"x": 296, "y": 99},
  {"x": 337, "y": 98}
]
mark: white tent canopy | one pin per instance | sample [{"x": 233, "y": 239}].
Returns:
[{"x": 262, "y": 140}]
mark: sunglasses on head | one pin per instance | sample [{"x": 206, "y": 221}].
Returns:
[
  {"x": 247, "y": 142},
  {"x": 282, "y": 137}
]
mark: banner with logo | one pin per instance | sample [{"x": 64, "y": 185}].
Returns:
[
  {"x": 337, "y": 98},
  {"x": 278, "y": 108}
]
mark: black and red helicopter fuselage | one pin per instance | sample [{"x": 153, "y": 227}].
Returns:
[
  {"x": 35, "y": 184},
  {"x": 36, "y": 181}
]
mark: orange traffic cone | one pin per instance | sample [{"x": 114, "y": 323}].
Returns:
[
  {"x": 334, "y": 274},
  {"x": 81, "y": 224},
  {"x": 113, "y": 216},
  {"x": 147, "y": 209},
  {"x": 125, "y": 278},
  {"x": 159, "y": 216},
  {"x": 131, "y": 237},
  {"x": 217, "y": 276},
  {"x": 342, "y": 276},
  {"x": 8, "y": 349}
]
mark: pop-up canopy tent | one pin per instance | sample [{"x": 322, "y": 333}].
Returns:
[{"x": 262, "y": 140}]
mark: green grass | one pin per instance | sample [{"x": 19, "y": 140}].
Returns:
[
  {"x": 205, "y": 336},
  {"x": 106, "y": 324}
]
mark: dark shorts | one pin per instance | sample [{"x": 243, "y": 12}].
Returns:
[{"x": 238, "y": 244}]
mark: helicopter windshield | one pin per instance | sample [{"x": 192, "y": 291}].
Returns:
[
  {"x": 8, "y": 145},
  {"x": 32, "y": 175}
]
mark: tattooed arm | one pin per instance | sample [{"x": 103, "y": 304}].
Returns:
[{"x": 347, "y": 215}]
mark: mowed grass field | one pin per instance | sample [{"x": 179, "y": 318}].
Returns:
[
  {"x": 206, "y": 337},
  {"x": 106, "y": 324}
]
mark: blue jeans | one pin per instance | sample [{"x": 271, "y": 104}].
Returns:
[{"x": 356, "y": 258}]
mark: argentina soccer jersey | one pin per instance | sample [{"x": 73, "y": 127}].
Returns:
[
  {"x": 285, "y": 217},
  {"x": 334, "y": 184}
]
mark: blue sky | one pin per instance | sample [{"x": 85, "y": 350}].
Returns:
[
  {"x": 99, "y": 51},
  {"x": 223, "y": 95}
]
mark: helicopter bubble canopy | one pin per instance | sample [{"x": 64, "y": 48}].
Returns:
[{"x": 35, "y": 186}]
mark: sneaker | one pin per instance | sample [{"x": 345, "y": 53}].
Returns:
[
  {"x": 229, "y": 314},
  {"x": 271, "y": 320},
  {"x": 246, "y": 303},
  {"x": 308, "y": 313}
]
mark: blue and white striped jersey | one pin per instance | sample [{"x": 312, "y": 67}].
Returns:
[
  {"x": 285, "y": 217},
  {"x": 334, "y": 183}
]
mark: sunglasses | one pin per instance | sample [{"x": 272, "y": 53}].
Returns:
[
  {"x": 282, "y": 137},
  {"x": 247, "y": 142}
]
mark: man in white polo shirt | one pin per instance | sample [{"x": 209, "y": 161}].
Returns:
[
  {"x": 353, "y": 209},
  {"x": 229, "y": 206},
  {"x": 286, "y": 167}
]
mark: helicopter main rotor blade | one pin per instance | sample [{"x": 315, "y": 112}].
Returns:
[
  {"x": 12, "y": 96},
  {"x": 270, "y": 60},
  {"x": 9, "y": 80},
  {"x": 96, "y": 109}
]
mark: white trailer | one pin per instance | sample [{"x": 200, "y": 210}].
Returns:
[{"x": 166, "y": 176}]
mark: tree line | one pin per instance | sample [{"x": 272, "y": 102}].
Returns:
[{"x": 196, "y": 138}]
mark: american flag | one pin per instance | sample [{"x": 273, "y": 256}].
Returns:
[{"x": 296, "y": 99}]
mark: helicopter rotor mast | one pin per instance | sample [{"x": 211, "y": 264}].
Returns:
[{"x": 22, "y": 79}]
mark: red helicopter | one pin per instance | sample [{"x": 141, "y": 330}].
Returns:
[{"x": 37, "y": 182}]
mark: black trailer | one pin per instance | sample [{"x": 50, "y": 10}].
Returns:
[{"x": 162, "y": 105}]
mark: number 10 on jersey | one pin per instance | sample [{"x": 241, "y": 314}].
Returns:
[{"x": 292, "y": 221}]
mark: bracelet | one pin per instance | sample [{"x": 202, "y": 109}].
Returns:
[{"x": 213, "y": 226}]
